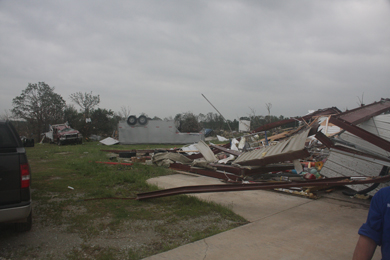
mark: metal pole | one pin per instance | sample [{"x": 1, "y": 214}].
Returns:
[{"x": 220, "y": 114}]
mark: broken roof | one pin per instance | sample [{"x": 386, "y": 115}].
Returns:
[{"x": 290, "y": 149}]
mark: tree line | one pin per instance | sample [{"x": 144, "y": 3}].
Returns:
[
  {"x": 189, "y": 122},
  {"x": 39, "y": 106}
]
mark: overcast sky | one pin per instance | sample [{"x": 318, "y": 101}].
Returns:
[{"x": 158, "y": 57}]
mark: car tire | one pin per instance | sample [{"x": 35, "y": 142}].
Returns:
[{"x": 25, "y": 226}]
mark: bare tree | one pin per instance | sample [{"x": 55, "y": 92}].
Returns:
[
  {"x": 361, "y": 103},
  {"x": 86, "y": 101},
  {"x": 124, "y": 113},
  {"x": 256, "y": 120},
  {"x": 6, "y": 115}
]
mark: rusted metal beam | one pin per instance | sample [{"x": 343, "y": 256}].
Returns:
[
  {"x": 226, "y": 150},
  {"x": 321, "y": 112},
  {"x": 137, "y": 151},
  {"x": 263, "y": 186},
  {"x": 277, "y": 158},
  {"x": 227, "y": 176},
  {"x": 241, "y": 171},
  {"x": 328, "y": 143},
  {"x": 364, "y": 113},
  {"x": 324, "y": 139},
  {"x": 268, "y": 169},
  {"x": 365, "y": 135},
  {"x": 229, "y": 168},
  {"x": 199, "y": 155}
]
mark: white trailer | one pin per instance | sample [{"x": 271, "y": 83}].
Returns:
[{"x": 146, "y": 131}]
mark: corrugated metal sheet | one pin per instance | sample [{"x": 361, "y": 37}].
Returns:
[
  {"x": 341, "y": 164},
  {"x": 205, "y": 150},
  {"x": 380, "y": 126},
  {"x": 292, "y": 146},
  {"x": 327, "y": 128}
]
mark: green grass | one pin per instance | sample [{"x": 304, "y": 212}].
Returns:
[{"x": 174, "y": 221}]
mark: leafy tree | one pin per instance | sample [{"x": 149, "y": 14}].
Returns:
[
  {"x": 201, "y": 118},
  {"x": 103, "y": 122},
  {"x": 177, "y": 119},
  {"x": 189, "y": 123},
  {"x": 75, "y": 119},
  {"x": 86, "y": 101},
  {"x": 40, "y": 106},
  {"x": 214, "y": 121},
  {"x": 71, "y": 115}
]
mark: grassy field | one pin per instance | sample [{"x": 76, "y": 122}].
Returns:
[{"x": 114, "y": 229}]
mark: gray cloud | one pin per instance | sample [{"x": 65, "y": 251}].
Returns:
[{"x": 158, "y": 57}]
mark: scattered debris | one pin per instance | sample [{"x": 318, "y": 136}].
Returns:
[
  {"x": 167, "y": 158},
  {"x": 109, "y": 141},
  {"x": 324, "y": 151},
  {"x": 27, "y": 142},
  {"x": 115, "y": 163},
  {"x": 95, "y": 138},
  {"x": 222, "y": 139},
  {"x": 256, "y": 186},
  {"x": 204, "y": 149}
]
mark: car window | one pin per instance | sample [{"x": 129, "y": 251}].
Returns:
[{"x": 6, "y": 138}]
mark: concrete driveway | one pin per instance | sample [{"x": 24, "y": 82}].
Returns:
[{"x": 282, "y": 226}]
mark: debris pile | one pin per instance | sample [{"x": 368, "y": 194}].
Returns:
[{"x": 329, "y": 148}]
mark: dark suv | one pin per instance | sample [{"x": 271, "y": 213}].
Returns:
[{"x": 15, "y": 175}]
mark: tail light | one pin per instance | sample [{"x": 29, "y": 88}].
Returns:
[{"x": 25, "y": 175}]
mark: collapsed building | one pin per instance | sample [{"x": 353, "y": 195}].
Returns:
[{"x": 329, "y": 148}]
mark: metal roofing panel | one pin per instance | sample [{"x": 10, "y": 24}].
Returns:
[
  {"x": 380, "y": 126},
  {"x": 361, "y": 114},
  {"x": 294, "y": 144},
  {"x": 343, "y": 164},
  {"x": 205, "y": 150}
]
